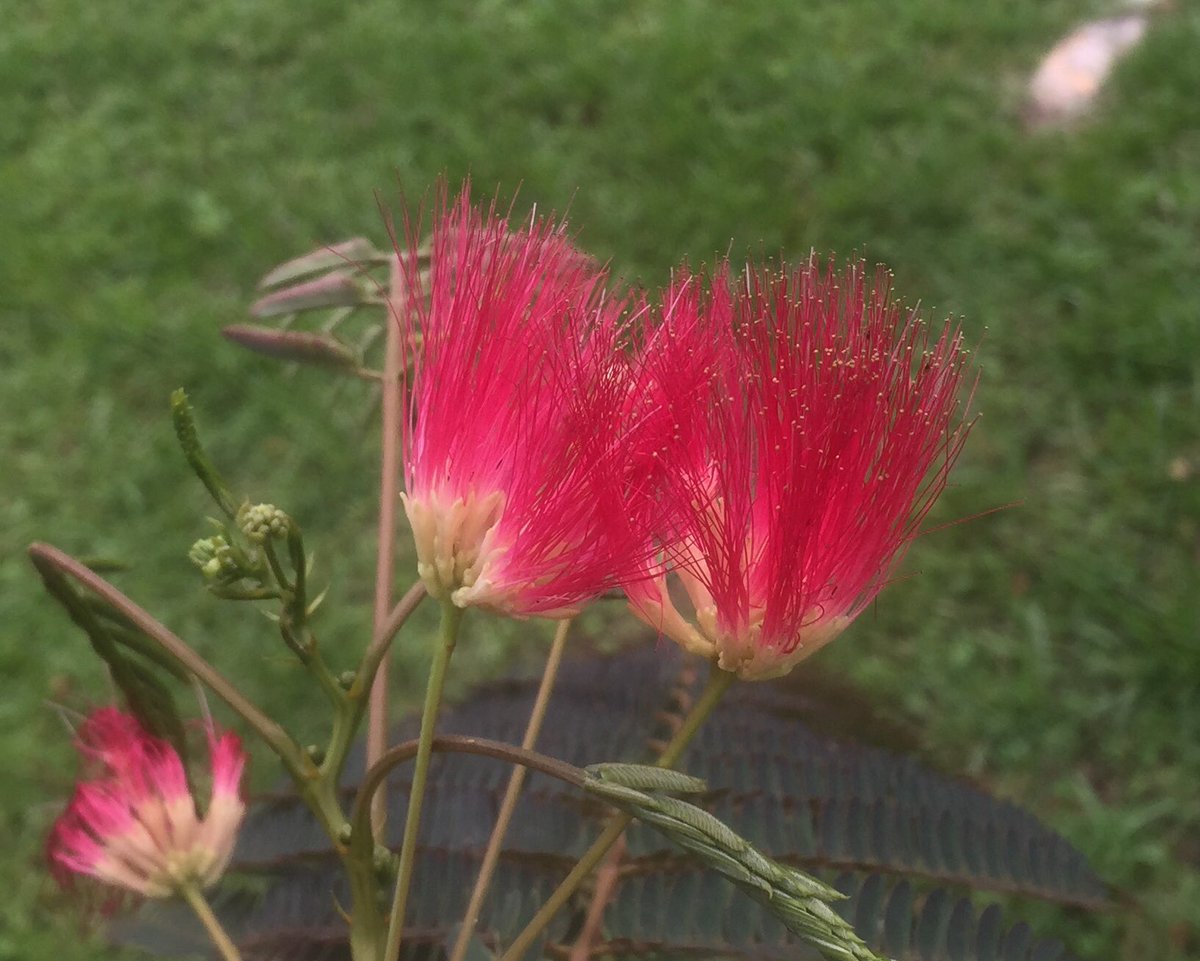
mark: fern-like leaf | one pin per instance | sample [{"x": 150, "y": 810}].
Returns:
[{"x": 892, "y": 831}]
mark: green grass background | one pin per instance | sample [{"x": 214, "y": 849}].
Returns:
[{"x": 156, "y": 159}]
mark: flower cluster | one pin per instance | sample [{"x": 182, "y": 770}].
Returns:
[
  {"x": 773, "y": 440},
  {"x": 135, "y": 824},
  {"x": 747, "y": 457}
]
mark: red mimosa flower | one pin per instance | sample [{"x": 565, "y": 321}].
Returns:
[
  {"x": 135, "y": 826},
  {"x": 796, "y": 481},
  {"x": 513, "y": 433}
]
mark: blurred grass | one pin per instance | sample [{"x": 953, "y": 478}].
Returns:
[{"x": 156, "y": 159}]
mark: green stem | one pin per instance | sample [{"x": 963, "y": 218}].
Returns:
[
  {"x": 293, "y": 619},
  {"x": 285, "y": 586},
  {"x": 228, "y": 950},
  {"x": 184, "y": 420},
  {"x": 367, "y": 924},
  {"x": 320, "y": 670},
  {"x": 299, "y": 564},
  {"x": 447, "y": 637},
  {"x": 346, "y": 718},
  {"x": 718, "y": 683},
  {"x": 356, "y": 700}
]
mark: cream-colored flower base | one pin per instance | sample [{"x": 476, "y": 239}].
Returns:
[
  {"x": 166, "y": 846},
  {"x": 460, "y": 554},
  {"x": 454, "y": 542},
  {"x": 742, "y": 653}
]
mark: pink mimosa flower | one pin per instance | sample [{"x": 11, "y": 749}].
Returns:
[
  {"x": 513, "y": 433},
  {"x": 135, "y": 825},
  {"x": 798, "y": 478}
]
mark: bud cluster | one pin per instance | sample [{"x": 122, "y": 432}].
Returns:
[
  {"x": 263, "y": 522},
  {"x": 223, "y": 563},
  {"x": 216, "y": 559}
]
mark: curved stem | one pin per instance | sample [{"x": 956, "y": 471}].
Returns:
[
  {"x": 314, "y": 661},
  {"x": 198, "y": 903},
  {"x": 276, "y": 569},
  {"x": 384, "y": 634},
  {"x": 454, "y": 744},
  {"x": 491, "y": 855},
  {"x": 364, "y": 930},
  {"x": 447, "y": 637},
  {"x": 299, "y": 562},
  {"x": 300, "y": 767},
  {"x": 346, "y": 718},
  {"x": 373, "y": 658},
  {"x": 293, "y": 619},
  {"x": 718, "y": 683}
]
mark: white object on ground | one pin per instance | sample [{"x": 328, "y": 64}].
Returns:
[{"x": 1068, "y": 79}]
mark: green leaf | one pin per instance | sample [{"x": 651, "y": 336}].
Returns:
[
  {"x": 321, "y": 350},
  {"x": 357, "y": 251},
  {"x": 146, "y": 696},
  {"x": 340, "y": 289}
]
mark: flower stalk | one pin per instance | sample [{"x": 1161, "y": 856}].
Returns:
[
  {"x": 199, "y": 904},
  {"x": 447, "y": 638}
]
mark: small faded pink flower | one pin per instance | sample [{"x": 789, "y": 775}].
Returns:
[
  {"x": 797, "y": 478},
  {"x": 135, "y": 825},
  {"x": 513, "y": 431}
]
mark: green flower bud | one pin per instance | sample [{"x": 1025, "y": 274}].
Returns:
[
  {"x": 216, "y": 559},
  {"x": 262, "y": 522},
  {"x": 222, "y": 563}
]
